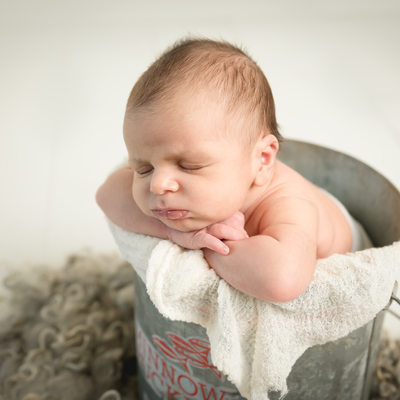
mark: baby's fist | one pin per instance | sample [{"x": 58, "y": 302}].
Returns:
[
  {"x": 231, "y": 228},
  {"x": 211, "y": 236}
]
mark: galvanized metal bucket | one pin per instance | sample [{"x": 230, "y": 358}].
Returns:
[{"x": 173, "y": 357}]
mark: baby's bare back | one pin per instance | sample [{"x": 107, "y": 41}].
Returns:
[{"x": 289, "y": 196}]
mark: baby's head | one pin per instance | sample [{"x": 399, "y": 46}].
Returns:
[
  {"x": 196, "y": 123},
  {"x": 223, "y": 72}
]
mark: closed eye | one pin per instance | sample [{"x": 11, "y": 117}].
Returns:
[
  {"x": 144, "y": 172},
  {"x": 190, "y": 167}
]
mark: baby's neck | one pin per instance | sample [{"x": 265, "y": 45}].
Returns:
[{"x": 257, "y": 193}]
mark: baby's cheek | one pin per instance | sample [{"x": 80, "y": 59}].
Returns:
[{"x": 142, "y": 203}]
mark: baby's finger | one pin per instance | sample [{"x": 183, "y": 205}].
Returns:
[
  {"x": 236, "y": 220},
  {"x": 222, "y": 231},
  {"x": 219, "y": 247},
  {"x": 213, "y": 243}
]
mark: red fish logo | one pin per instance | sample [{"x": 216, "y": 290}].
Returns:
[{"x": 191, "y": 352}]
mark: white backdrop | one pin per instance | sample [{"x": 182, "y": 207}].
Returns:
[{"x": 67, "y": 68}]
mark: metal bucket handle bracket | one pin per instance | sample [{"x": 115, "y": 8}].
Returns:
[{"x": 394, "y": 297}]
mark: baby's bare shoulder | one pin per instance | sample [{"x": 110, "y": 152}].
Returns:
[
  {"x": 298, "y": 205},
  {"x": 292, "y": 201},
  {"x": 286, "y": 210}
]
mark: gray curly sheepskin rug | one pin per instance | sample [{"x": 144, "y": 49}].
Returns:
[{"x": 68, "y": 334}]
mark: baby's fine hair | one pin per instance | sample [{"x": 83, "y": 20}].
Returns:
[{"x": 193, "y": 64}]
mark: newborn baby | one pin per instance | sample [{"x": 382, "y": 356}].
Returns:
[{"x": 202, "y": 140}]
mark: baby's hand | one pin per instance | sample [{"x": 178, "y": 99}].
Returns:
[{"x": 211, "y": 236}]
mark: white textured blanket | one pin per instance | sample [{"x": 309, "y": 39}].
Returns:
[{"x": 256, "y": 343}]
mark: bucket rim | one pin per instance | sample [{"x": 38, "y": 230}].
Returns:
[{"x": 341, "y": 153}]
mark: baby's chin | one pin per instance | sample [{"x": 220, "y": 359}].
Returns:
[{"x": 186, "y": 224}]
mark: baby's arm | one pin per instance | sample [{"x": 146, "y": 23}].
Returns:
[
  {"x": 277, "y": 264},
  {"x": 115, "y": 199}
]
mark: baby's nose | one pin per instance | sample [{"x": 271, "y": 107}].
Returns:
[{"x": 162, "y": 183}]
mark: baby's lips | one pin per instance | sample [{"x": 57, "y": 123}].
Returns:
[{"x": 171, "y": 214}]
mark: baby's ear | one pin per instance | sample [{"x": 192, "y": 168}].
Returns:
[{"x": 265, "y": 156}]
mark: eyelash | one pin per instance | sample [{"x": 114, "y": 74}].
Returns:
[{"x": 186, "y": 169}]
